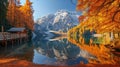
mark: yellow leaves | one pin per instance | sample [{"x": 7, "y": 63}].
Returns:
[
  {"x": 28, "y": 14},
  {"x": 20, "y": 16},
  {"x": 99, "y": 13},
  {"x": 102, "y": 53},
  {"x": 82, "y": 5}
]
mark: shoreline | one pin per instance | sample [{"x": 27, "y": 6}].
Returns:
[{"x": 13, "y": 62}]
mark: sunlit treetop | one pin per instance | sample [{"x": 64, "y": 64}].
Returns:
[{"x": 28, "y": 2}]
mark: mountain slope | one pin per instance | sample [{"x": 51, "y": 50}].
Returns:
[{"x": 62, "y": 20}]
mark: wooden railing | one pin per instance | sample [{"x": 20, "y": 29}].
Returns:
[{"x": 9, "y": 36}]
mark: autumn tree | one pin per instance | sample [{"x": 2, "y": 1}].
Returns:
[
  {"x": 100, "y": 15},
  {"x": 20, "y": 16},
  {"x": 11, "y": 13},
  {"x": 28, "y": 14}
]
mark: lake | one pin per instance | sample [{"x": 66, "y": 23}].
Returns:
[{"x": 63, "y": 51}]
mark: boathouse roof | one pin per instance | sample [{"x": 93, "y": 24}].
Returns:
[{"x": 14, "y": 29}]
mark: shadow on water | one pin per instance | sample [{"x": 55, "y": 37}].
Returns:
[{"x": 19, "y": 51}]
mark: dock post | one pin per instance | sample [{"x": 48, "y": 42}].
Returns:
[{"x": 12, "y": 43}]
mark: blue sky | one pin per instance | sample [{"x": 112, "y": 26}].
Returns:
[{"x": 44, "y": 7}]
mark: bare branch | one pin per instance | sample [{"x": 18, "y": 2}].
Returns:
[{"x": 113, "y": 18}]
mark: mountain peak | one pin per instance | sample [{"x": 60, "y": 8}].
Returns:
[
  {"x": 61, "y": 20},
  {"x": 62, "y": 10}
]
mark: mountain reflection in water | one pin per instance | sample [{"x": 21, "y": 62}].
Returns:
[
  {"x": 67, "y": 50},
  {"x": 58, "y": 52}
]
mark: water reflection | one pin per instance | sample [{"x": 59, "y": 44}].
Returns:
[
  {"x": 57, "y": 52},
  {"x": 73, "y": 50},
  {"x": 22, "y": 51},
  {"x": 105, "y": 47}
]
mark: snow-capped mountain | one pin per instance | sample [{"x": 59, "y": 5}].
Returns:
[{"x": 62, "y": 20}]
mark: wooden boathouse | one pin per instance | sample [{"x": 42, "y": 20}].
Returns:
[{"x": 13, "y": 36}]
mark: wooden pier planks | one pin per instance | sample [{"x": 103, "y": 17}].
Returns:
[{"x": 11, "y": 36}]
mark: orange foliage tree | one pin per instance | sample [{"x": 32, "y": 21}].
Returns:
[
  {"x": 28, "y": 14},
  {"x": 11, "y": 12},
  {"x": 20, "y": 16},
  {"x": 100, "y": 15}
]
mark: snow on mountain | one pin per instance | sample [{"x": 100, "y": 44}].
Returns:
[{"x": 62, "y": 20}]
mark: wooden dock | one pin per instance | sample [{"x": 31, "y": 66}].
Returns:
[
  {"x": 12, "y": 37},
  {"x": 9, "y": 36}
]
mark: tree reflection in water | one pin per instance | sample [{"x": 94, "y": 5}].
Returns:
[{"x": 106, "y": 50}]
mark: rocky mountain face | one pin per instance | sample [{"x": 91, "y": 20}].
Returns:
[{"x": 62, "y": 20}]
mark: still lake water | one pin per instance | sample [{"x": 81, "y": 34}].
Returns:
[{"x": 57, "y": 51}]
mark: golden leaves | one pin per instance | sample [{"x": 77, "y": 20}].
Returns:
[
  {"x": 20, "y": 16},
  {"x": 99, "y": 13},
  {"x": 103, "y": 17},
  {"x": 100, "y": 51}
]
